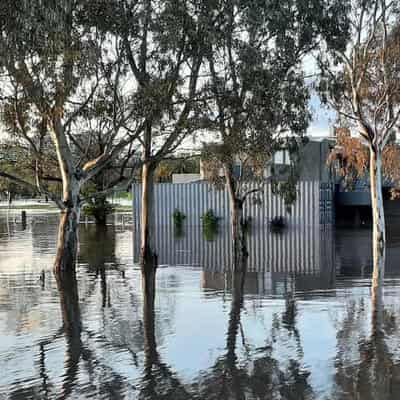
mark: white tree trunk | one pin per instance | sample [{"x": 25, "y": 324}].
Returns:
[{"x": 378, "y": 224}]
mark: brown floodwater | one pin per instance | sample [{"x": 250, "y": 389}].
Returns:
[{"x": 297, "y": 325}]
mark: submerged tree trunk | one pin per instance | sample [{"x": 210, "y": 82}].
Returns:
[
  {"x": 239, "y": 245},
  {"x": 378, "y": 223},
  {"x": 149, "y": 284},
  {"x": 67, "y": 243},
  {"x": 148, "y": 256},
  {"x": 240, "y": 252}
]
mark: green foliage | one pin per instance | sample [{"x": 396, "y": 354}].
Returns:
[
  {"x": 178, "y": 219},
  {"x": 258, "y": 99},
  {"x": 124, "y": 195},
  {"x": 284, "y": 182},
  {"x": 98, "y": 208},
  {"x": 18, "y": 160},
  {"x": 210, "y": 224},
  {"x": 61, "y": 90}
]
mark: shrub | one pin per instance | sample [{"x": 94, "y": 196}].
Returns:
[
  {"x": 178, "y": 219},
  {"x": 98, "y": 208},
  {"x": 210, "y": 224}
]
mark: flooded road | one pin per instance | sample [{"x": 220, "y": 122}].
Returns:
[{"x": 296, "y": 326}]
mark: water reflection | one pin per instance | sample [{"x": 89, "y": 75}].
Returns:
[
  {"x": 258, "y": 375},
  {"x": 303, "y": 256},
  {"x": 72, "y": 327},
  {"x": 367, "y": 364},
  {"x": 301, "y": 249},
  {"x": 97, "y": 246},
  {"x": 203, "y": 332},
  {"x": 158, "y": 380},
  {"x": 353, "y": 248}
]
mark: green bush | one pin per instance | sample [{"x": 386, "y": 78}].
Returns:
[
  {"x": 178, "y": 219},
  {"x": 98, "y": 208},
  {"x": 210, "y": 224}
]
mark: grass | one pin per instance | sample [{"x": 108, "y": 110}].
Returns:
[
  {"x": 29, "y": 207},
  {"x": 46, "y": 207},
  {"x": 122, "y": 208}
]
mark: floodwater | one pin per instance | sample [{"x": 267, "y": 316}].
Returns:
[{"x": 298, "y": 325}]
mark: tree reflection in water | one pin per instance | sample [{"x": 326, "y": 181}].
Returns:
[
  {"x": 112, "y": 340},
  {"x": 260, "y": 376},
  {"x": 158, "y": 379},
  {"x": 79, "y": 356},
  {"x": 72, "y": 324},
  {"x": 367, "y": 366},
  {"x": 98, "y": 258}
]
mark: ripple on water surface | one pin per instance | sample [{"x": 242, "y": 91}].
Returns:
[{"x": 271, "y": 333}]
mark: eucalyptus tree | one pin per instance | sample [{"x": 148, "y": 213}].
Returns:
[
  {"x": 362, "y": 83},
  {"x": 257, "y": 95},
  {"x": 13, "y": 157},
  {"x": 161, "y": 41},
  {"x": 63, "y": 78},
  {"x": 350, "y": 158}
]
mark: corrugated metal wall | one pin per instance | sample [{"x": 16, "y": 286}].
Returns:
[
  {"x": 303, "y": 248},
  {"x": 194, "y": 199}
]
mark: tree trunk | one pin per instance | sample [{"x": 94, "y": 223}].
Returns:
[
  {"x": 148, "y": 256},
  {"x": 67, "y": 244},
  {"x": 378, "y": 223},
  {"x": 239, "y": 245},
  {"x": 240, "y": 252},
  {"x": 148, "y": 260}
]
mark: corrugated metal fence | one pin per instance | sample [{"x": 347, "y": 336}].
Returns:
[
  {"x": 301, "y": 249},
  {"x": 313, "y": 205}
]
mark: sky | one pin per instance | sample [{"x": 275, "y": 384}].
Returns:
[{"x": 323, "y": 119}]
